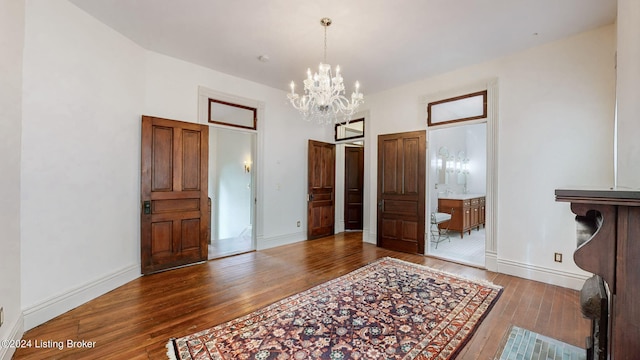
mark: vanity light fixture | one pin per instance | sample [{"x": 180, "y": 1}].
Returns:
[{"x": 451, "y": 163}]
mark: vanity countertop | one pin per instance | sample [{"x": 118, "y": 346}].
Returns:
[{"x": 459, "y": 196}]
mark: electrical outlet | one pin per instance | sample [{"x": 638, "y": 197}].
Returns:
[
  {"x": 298, "y": 223},
  {"x": 1, "y": 316},
  {"x": 557, "y": 257}
]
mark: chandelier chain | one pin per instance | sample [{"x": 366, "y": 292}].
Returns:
[{"x": 325, "y": 41}]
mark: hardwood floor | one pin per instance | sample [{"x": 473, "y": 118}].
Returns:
[{"x": 136, "y": 320}]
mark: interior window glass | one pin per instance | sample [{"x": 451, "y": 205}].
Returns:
[
  {"x": 460, "y": 108},
  {"x": 225, "y": 113}
]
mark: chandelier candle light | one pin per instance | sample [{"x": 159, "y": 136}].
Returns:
[{"x": 323, "y": 99}]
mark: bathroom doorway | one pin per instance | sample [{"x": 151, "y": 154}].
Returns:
[{"x": 457, "y": 183}]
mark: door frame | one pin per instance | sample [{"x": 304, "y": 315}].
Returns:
[
  {"x": 257, "y": 169},
  {"x": 492, "y": 87},
  {"x": 367, "y": 187}
]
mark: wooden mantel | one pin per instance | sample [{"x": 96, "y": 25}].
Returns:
[{"x": 612, "y": 250}]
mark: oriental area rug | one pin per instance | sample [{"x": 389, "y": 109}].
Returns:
[{"x": 389, "y": 309}]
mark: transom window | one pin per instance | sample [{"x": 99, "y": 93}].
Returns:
[
  {"x": 225, "y": 113},
  {"x": 460, "y": 108}
]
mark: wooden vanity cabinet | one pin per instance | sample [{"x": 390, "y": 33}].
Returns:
[
  {"x": 467, "y": 213},
  {"x": 475, "y": 213}
]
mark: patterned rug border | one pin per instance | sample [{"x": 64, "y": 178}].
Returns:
[{"x": 172, "y": 348}]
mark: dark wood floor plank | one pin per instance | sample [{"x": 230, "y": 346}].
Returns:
[{"x": 136, "y": 320}]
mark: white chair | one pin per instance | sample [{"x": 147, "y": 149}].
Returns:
[{"x": 440, "y": 233}]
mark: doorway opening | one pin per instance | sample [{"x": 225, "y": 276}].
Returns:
[
  {"x": 457, "y": 193},
  {"x": 231, "y": 191},
  {"x": 353, "y": 187}
]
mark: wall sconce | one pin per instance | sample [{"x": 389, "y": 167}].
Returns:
[
  {"x": 460, "y": 161},
  {"x": 247, "y": 167},
  {"x": 465, "y": 166}
]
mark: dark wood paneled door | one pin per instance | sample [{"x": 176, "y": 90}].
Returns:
[
  {"x": 174, "y": 219},
  {"x": 353, "y": 187},
  {"x": 401, "y": 191},
  {"x": 321, "y": 190}
]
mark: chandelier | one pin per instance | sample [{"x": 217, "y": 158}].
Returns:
[{"x": 323, "y": 100}]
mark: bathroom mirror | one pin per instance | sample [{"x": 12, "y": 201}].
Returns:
[
  {"x": 441, "y": 164},
  {"x": 462, "y": 176}
]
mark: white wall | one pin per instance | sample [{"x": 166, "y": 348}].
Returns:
[
  {"x": 83, "y": 95},
  {"x": 85, "y": 89},
  {"x": 555, "y": 116},
  {"x": 11, "y": 43},
  {"x": 628, "y": 87}
]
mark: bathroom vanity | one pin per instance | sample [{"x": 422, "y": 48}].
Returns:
[{"x": 467, "y": 211}]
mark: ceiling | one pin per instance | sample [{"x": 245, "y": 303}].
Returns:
[{"x": 381, "y": 43}]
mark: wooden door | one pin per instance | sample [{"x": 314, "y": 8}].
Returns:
[
  {"x": 174, "y": 218},
  {"x": 321, "y": 189},
  {"x": 401, "y": 191},
  {"x": 353, "y": 187}
]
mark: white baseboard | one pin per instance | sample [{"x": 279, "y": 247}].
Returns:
[
  {"x": 369, "y": 237},
  {"x": 59, "y": 304},
  {"x": 491, "y": 261},
  {"x": 538, "y": 273},
  {"x": 17, "y": 330},
  {"x": 270, "y": 242},
  {"x": 527, "y": 271}
]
